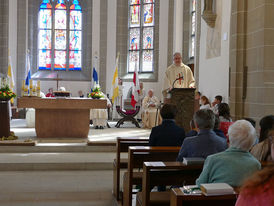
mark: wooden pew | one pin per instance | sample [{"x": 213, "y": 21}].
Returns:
[
  {"x": 178, "y": 198},
  {"x": 119, "y": 163},
  {"x": 169, "y": 173},
  {"x": 136, "y": 156}
]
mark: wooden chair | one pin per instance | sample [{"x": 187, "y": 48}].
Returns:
[
  {"x": 178, "y": 198},
  {"x": 119, "y": 163},
  {"x": 136, "y": 156},
  {"x": 167, "y": 174},
  {"x": 127, "y": 116}
]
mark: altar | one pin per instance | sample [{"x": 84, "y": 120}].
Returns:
[{"x": 61, "y": 117}]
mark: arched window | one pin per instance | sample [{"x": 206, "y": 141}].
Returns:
[
  {"x": 192, "y": 28},
  {"x": 60, "y": 35},
  {"x": 141, "y": 35}
]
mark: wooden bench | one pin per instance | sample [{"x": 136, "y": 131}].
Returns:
[
  {"x": 136, "y": 157},
  {"x": 119, "y": 163},
  {"x": 178, "y": 198},
  {"x": 167, "y": 174}
]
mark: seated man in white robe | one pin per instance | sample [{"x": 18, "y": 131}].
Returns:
[
  {"x": 99, "y": 116},
  {"x": 149, "y": 108}
]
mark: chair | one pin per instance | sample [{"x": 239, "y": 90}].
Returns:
[{"x": 127, "y": 115}]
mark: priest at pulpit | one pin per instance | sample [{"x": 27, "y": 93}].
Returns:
[{"x": 178, "y": 75}]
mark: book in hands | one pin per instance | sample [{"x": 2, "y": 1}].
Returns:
[
  {"x": 193, "y": 160},
  {"x": 216, "y": 189}
]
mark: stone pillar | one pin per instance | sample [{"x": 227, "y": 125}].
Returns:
[
  {"x": 4, "y": 32},
  {"x": 251, "y": 59}
]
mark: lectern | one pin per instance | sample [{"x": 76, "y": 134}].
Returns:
[{"x": 183, "y": 98}]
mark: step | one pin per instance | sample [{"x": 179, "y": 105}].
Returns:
[{"x": 56, "y": 161}]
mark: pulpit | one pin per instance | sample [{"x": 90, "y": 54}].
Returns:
[
  {"x": 183, "y": 98},
  {"x": 4, "y": 119}
]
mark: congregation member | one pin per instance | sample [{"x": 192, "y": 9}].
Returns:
[
  {"x": 168, "y": 133},
  {"x": 215, "y": 104},
  {"x": 259, "y": 189},
  {"x": 80, "y": 94},
  {"x": 99, "y": 116},
  {"x": 205, "y": 104},
  {"x": 150, "y": 116},
  {"x": 216, "y": 129},
  {"x": 235, "y": 164},
  {"x": 178, "y": 75},
  {"x": 224, "y": 113},
  {"x": 206, "y": 142},
  {"x": 261, "y": 151},
  {"x": 197, "y": 96},
  {"x": 193, "y": 129}
]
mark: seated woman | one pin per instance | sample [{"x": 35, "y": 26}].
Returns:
[
  {"x": 224, "y": 113},
  {"x": 149, "y": 108},
  {"x": 259, "y": 189},
  {"x": 235, "y": 164},
  {"x": 205, "y": 104},
  {"x": 262, "y": 150}
]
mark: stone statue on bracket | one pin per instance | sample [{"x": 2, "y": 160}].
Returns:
[{"x": 208, "y": 14}]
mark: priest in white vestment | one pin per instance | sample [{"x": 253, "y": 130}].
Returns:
[
  {"x": 179, "y": 74},
  {"x": 99, "y": 116},
  {"x": 149, "y": 109}
]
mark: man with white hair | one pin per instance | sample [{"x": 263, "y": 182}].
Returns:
[
  {"x": 235, "y": 164},
  {"x": 149, "y": 108},
  {"x": 178, "y": 75}
]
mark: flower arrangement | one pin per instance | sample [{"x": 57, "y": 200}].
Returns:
[
  {"x": 96, "y": 93},
  {"x": 5, "y": 92}
]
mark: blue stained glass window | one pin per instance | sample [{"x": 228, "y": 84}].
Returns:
[{"x": 60, "y": 47}]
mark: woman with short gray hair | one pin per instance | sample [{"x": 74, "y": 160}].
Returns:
[{"x": 235, "y": 164}]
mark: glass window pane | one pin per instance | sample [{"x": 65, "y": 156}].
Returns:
[
  {"x": 45, "y": 39},
  {"x": 60, "y": 60},
  {"x": 75, "y": 60},
  {"x": 60, "y": 19},
  {"x": 44, "y": 59},
  {"x": 193, "y": 5},
  {"x": 147, "y": 61},
  {"x": 193, "y": 22},
  {"x": 75, "y": 40},
  {"x": 192, "y": 46},
  {"x": 148, "y": 38},
  {"x": 60, "y": 39},
  {"x": 45, "y": 4},
  {"x": 132, "y": 60},
  {"x": 135, "y": 16},
  {"x": 60, "y": 5},
  {"x": 134, "y": 2},
  {"x": 45, "y": 19},
  {"x": 148, "y": 18},
  {"x": 76, "y": 20},
  {"x": 148, "y": 1},
  {"x": 75, "y": 5},
  {"x": 134, "y": 39}
]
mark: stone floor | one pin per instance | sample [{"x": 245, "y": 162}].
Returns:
[{"x": 56, "y": 188}]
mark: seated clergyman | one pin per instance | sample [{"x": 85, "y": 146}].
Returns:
[{"x": 149, "y": 108}]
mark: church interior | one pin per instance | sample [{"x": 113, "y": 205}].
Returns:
[{"x": 85, "y": 84}]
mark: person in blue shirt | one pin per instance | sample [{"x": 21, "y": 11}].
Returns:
[
  {"x": 168, "y": 133},
  {"x": 206, "y": 142}
]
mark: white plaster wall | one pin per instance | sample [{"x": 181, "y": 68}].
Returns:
[
  {"x": 163, "y": 46},
  {"x": 178, "y": 26},
  {"x": 214, "y": 72}
]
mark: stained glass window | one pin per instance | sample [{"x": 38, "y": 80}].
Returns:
[
  {"x": 141, "y": 35},
  {"x": 60, "y": 35},
  {"x": 192, "y": 28}
]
